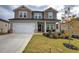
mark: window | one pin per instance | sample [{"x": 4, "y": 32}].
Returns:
[
  {"x": 47, "y": 27},
  {"x": 50, "y": 27},
  {"x": 22, "y": 14},
  {"x": 56, "y": 26},
  {"x": 37, "y": 15},
  {"x": 50, "y": 15},
  {"x": 5, "y": 24}
]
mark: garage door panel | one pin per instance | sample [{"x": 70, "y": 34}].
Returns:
[{"x": 23, "y": 27}]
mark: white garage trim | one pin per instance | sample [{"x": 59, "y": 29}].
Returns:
[{"x": 23, "y": 27}]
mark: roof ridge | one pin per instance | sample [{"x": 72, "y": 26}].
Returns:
[{"x": 36, "y": 8}]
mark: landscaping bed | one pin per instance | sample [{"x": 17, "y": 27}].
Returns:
[
  {"x": 70, "y": 46},
  {"x": 75, "y": 36}
]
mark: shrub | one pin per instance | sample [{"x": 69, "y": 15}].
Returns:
[
  {"x": 51, "y": 34},
  {"x": 53, "y": 30},
  {"x": 45, "y": 34},
  {"x": 66, "y": 35},
  {"x": 75, "y": 36},
  {"x": 62, "y": 31},
  {"x": 59, "y": 34},
  {"x": 9, "y": 31},
  {"x": 55, "y": 35}
]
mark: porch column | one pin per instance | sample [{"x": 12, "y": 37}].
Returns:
[
  {"x": 36, "y": 27},
  {"x": 11, "y": 26},
  {"x": 45, "y": 27},
  {"x": 55, "y": 26}
]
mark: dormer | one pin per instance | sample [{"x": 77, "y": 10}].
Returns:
[
  {"x": 50, "y": 13},
  {"x": 22, "y": 12}
]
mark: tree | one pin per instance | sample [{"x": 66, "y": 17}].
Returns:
[
  {"x": 68, "y": 17},
  {"x": 71, "y": 26}
]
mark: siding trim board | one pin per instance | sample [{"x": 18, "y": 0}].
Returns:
[
  {"x": 4, "y": 21},
  {"x": 34, "y": 19}
]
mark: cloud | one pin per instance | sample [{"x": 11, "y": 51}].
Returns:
[
  {"x": 7, "y": 7},
  {"x": 35, "y": 8},
  {"x": 6, "y": 12}
]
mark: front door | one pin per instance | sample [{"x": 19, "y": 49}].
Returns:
[{"x": 39, "y": 27}]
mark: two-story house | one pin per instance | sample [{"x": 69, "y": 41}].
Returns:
[{"x": 27, "y": 20}]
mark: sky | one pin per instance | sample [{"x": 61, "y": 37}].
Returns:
[
  {"x": 6, "y": 8},
  {"x": 39, "y": 2}
]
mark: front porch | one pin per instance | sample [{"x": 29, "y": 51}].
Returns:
[{"x": 45, "y": 26}]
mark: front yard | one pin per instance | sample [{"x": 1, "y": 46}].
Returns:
[{"x": 42, "y": 44}]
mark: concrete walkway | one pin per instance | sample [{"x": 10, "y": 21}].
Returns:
[{"x": 14, "y": 43}]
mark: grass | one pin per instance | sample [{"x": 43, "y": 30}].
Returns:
[{"x": 42, "y": 44}]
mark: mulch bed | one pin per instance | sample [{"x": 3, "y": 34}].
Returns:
[{"x": 70, "y": 46}]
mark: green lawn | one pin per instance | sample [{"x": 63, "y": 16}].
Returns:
[{"x": 42, "y": 44}]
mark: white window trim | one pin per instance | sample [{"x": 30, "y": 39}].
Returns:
[
  {"x": 50, "y": 26},
  {"x": 50, "y": 14},
  {"x": 22, "y": 14},
  {"x": 37, "y": 15}
]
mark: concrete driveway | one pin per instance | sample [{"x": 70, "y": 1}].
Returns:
[{"x": 14, "y": 43}]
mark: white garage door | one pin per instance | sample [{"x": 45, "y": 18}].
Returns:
[{"x": 23, "y": 27}]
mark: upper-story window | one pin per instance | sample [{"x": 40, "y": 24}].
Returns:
[
  {"x": 38, "y": 16},
  {"x": 50, "y": 15},
  {"x": 22, "y": 14}
]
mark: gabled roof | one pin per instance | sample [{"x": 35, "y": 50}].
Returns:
[
  {"x": 50, "y": 8},
  {"x": 4, "y": 20},
  {"x": 36, "y": 8},
  {"x": 22, "y": 7}
]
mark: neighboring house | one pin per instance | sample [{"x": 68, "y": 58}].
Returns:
[
  {"x": 4, "y": 26},
  {"x": 74, "y": 28},
  {"x": 27, "y": 20},
  {"x": 64, "y": 26}
]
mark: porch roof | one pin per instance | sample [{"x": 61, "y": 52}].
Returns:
[{"x": 34, "y": 19}]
